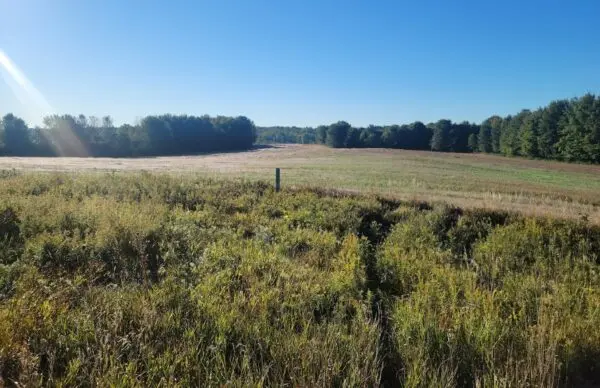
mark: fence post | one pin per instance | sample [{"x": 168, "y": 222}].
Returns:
[{"x": 277, "y": 180}]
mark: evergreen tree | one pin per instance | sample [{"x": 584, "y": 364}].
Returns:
[
  {"x": 510, "y": 136},
  {"x": 495, "y": 123},
  {"x": 529, "y": 137},
  {"x": 505, "y": 135},
  {"x": 489, "y": 134},
  {"x": 580, "y": 134},
  {"x": 593, "y": 146},
  {"x": 552, "y": 119}
]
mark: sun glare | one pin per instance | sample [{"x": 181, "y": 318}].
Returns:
[
  {"x": 35, "y": 102},
  {"x": 34, "y": 95}
]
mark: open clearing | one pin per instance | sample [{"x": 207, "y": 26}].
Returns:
[
  {"x": 143, "y": 279},
  {"x": 465, "y": 180}
]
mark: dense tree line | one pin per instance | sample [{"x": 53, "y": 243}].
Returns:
[
  {"x": 566, "y": 130},
  {"x": 154, "y": 135},
  {"x": 443, "y": 135},
  {"x": 563, "y": 130}
]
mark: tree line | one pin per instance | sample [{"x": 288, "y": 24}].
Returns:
[
  {"x": 286, "y": 135},
  {"x": 443, "y": 135},
  {"x": 567, "y": 129},
  {"x": 68, "y": 135}
]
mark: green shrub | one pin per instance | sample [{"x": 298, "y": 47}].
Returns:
[
  {"x": 11, "y": 241},
  {"x": 164, "y": 280}
]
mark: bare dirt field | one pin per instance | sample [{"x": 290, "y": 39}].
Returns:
[{"x": 529, "y": 186}]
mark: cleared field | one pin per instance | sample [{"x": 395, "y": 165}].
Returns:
[{"x": 483, "y": 181}]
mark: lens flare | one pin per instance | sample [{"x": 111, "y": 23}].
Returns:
[
  {"x": 34, "y": 96},
  {"x": 64, "y": 141}
]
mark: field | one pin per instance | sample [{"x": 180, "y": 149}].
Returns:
[
  {"x": 147, "y": 279},
  {"x": 372, "y": 267},
  {"x": 465, "y": 180}
]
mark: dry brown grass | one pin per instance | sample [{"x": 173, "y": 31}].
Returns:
[{"x": 466, "y": 180}]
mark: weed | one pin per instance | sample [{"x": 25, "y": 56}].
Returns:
[{"x": 158, "y": 280}]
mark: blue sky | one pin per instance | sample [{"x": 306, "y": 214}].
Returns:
[{"x": 301, "y": 63}]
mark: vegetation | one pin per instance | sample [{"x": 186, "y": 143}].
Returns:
[
  {"x": 533, "y": 187},
  {"x": 144, "y": 280},
  {"x": 566, "y": 130},
  {"x": 154, "y": 135},
  {"x": 286, "y": 135}
]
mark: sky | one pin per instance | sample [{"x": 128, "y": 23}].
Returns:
[{"x": 291, "y": 62}]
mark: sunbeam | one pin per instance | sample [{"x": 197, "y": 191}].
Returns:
[
  {"x": 34, "y": 96},
  {"x": 36, "y": 103}
]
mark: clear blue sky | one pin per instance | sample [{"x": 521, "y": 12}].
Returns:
[{"x": 301, "y": 63}]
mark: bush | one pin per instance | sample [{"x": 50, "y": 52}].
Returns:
[
  {"x": 11, "y": 242},
  {"x": 144, "y": 280}
]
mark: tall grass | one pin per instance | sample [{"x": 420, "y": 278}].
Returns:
[{"x": 158, "y": 280}]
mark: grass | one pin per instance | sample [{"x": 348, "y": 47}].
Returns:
[
  {"x": 468, "y": 181},
  {"x": 146, "y": 279}
]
